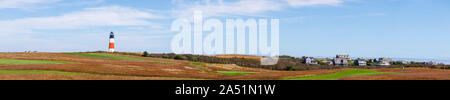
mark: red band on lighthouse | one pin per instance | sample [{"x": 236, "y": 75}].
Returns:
[{"x": 111, "y": 45}]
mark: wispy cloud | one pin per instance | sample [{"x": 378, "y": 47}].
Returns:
[
  {"x": 89, "y": 17},
  {"x": 220, "y": 8},
  {"x": 24, "y": 4},
  {"x": 80, "y": 2},
  {"x": 244, "y": 7},
  {"x": 302, "y": 3}
]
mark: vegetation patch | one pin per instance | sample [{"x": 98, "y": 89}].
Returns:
[
  {"x": 40, "y": 72},
  {"x": 235, "y": 73},
  {"x": 401, "y": 68},
  {"x": 341, "y": 74},
  {"x": 27, "y": 62},
  {"x": 162, "y": 63},
  {"x": 108, "y": 56},
  {"x": 196, "y": 63}
]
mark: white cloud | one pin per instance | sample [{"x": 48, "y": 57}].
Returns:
[
  {"x": 244, "y": 7},
  {"x": 80, "y": 2},
  {"x": 219, "y": 8},
  {"x": 90, "y": 17},
  {"x": 23, "y": 3},
  {"x": 302, "y": 3}
]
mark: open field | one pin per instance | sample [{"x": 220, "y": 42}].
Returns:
[
  {"x": 26, "y": 62},
  {"x": 238, "y": 56},
  {"x": 39, "y": 72},
  {"x": 233, "y": 73},
  {"x": 107, "y": 66},
  {"x": 107, "y": 56},
  {"x": 341, "y": 74}
]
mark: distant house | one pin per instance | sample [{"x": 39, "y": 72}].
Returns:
[
  {"x": 361, "y": 62},
  {"x": 384, "y": 62},
  {"x": 403, "y": 62},
  {"x": 309, "y": 60},
  {"x": 431, "y": 63},
  {"x": 341, "y": 60},
  {"x": 385, "y": 59}
]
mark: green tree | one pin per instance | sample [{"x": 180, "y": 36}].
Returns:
[
  {"x": 146, "y": 54},
  {"x": 194, "y": 59},
  {"x": 290, "y": 68},
  {"x": 181, "y": 57},
  {"x": 351, "y": 63}
]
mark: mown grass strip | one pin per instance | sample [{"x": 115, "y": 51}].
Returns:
[
  {"x": 341, "y": 74},
  {"x": 40, "y": 72},
  {"x": 27, "y": 62},
  {"x": 108, "y": 56},
  {"x": 235, "y": 73}
]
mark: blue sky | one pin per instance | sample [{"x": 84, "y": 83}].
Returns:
[{"x": 361, "y": 28}]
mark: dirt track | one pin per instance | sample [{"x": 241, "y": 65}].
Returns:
[{"x": 158, "y": 69}]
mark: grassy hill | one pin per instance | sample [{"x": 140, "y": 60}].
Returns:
[{"x": 122, "y": 66}]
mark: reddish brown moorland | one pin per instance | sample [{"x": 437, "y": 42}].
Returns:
[{"x": 168, "y": 69}]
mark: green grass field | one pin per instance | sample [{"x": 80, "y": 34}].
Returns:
[
  {"x": 341, "y": 74},
  {"x": 234, "y": 73},
  {"x": 40, "y": 72},
  {"x": 108, "y": 56},
  {"x": 196, "y": 63},
  {"x": 27, "y": 62}
]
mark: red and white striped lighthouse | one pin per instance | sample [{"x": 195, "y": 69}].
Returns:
[{"x": 111, "y": 42}]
